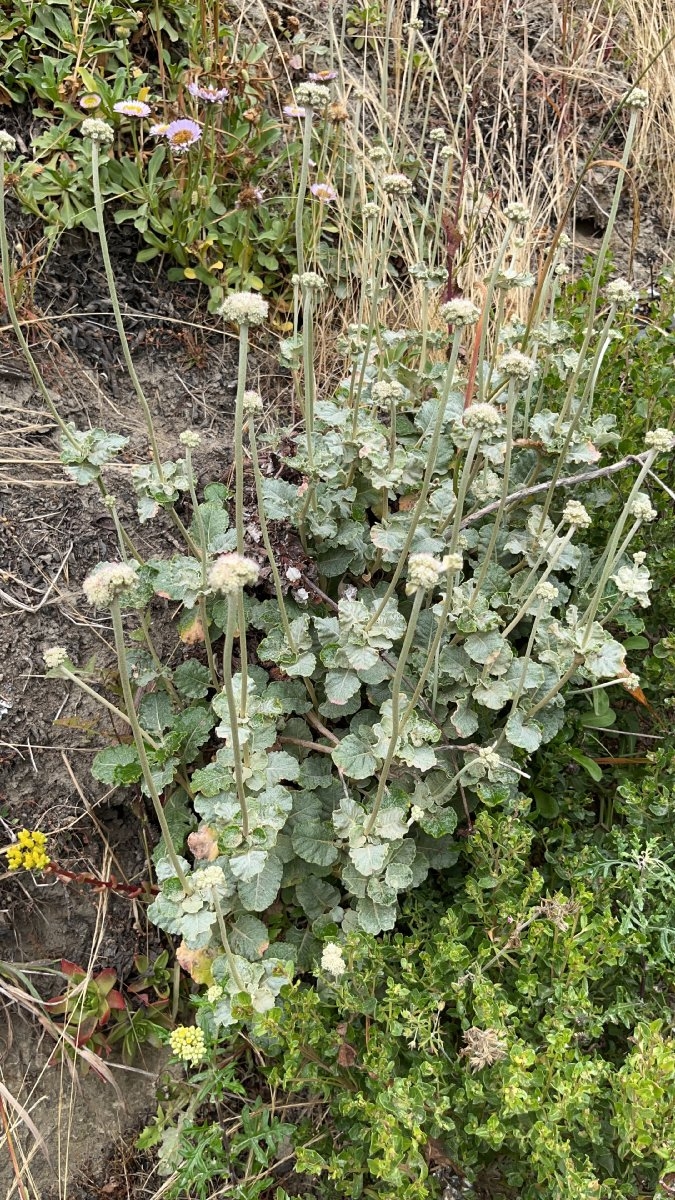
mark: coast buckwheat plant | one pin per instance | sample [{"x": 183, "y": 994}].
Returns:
[{"x": 332, "y": 728}]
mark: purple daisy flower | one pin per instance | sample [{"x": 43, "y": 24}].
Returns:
[
  {"x": 210, "y": 95},
  {"x": 293, "y": 110},
  {"x": 182, "y": 134},
  {"x": 322, "y": 76},
  {"x": 323, "y": 192},
  {"x": 132, "y": 108},
  {"x": 159, "y": 130}
]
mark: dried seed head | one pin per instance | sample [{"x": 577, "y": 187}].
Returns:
[
  {"x": 483, "y": 1048},
  {"x": 108, "y": 581},
  {"x": 231, "y": 573}
]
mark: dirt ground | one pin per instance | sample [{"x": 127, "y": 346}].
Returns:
[{"x": 51, "y": 534}]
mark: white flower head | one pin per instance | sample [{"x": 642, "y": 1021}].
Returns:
[
  {"x": 370, "y": 209},
  {"x": 634, "y": 582},
  {"x": 231, "y": 573},
  {"x": 575, "y": 514},
  {"x": 214, "y": 993},
  {"x": 621, "y": 292},
  {"x": 387, "y": 389},
  {"x": 489, "y": 758},
  {"x": 637, "y": 98},
  {"x": 509, "y": 278},
  {"x": 7, "y": 142},
  {"x": 244, "y": 308},
  {"x": 518, "y": 213},
  {"x": 424, "y": 571},
  {"x": 190, "y": 438},
  {"x": 312, "y": 95},
  {"x": 98, "y": 131},
  {"x": 252, "y": 402},
  {"x": 206, "y": 879},
  {"x": 660, "y": 439},
  {"x": 378, "y": 154},
  {"x": 561, "y": 270},
  {"x": 631, "y": 681},
  {"x": 546, "y": 591},
  {"x": 452, "y": 562},
  {"x": 397, "y": 184},
  {"x": 641, "y": 508},
  {"x": 55, "y": 657},
  {"x": 416, "y": 813},
  {"x": 459, "y": 312},
  {"x": 312, "y": 281},
  {"x": 484, "y": 417},
  {"x": 445, "y": 153},
  {"x": 439, "y": 136},
  {"x": 107, "y": 581},
  {"x": 332, "y": 960},
  {"x": 517, "y": 366},
  {"x": 293, "y": 575}
]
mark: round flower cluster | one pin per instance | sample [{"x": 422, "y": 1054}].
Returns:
[
  {"x": 378, "y": 154},
  {"x": 641, "y": 508},
  {"x": 452, "y": 562},
  {"x": 424, "y": 571},
  {"x": 637, "y": 98},
  {"x": 314, "y": 95},
  {"x": 397, "y": 184},
  {"x": 370, "y": 209},
  {"x": 189, "y": 438},
  {"x": 7, "y": 142},
  {"x": 446, "y": 153},
  {"x": 561, "y": 269},
  {"x": 188, "y": 1043},
  {"x": 252, "y": 402},
  {"x": 98, "y": 131},
  {"x": 489, "y": 758},
  {"x": 515, "y": 365},
  {"x": 482, "y": 416},
  {"x": 387, "y": 389},
  {"x": 332, "y": 960},
  {"x": 207, "y": 878},
  {"x": 660, "y": 439},
  {"x": 631, "y": 681},
  {"x": 546, "y": 591},
  {"x": 55, "y": 657},
  {"x": 620, "y": 291},
  {"x": 312, "y": 281},
  {"x": 107, "y": 581},
  {"x": 575, "y": 514},
  {"x": 231, "y": 573},
  {"x": 440, "y": 136},
  {"x": 518, "y": 213},
  {"x": 28, "y": 851},
  {"x": 244, "y": 308},
  {"x": 459, "y": 312},
  {"x": 214, "y": 993}
]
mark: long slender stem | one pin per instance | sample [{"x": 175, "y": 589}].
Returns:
[
  {"x": 84, "y": 687},
  {"x": 395, "y": 704},
  {"x": 267, "y": 542},
  {"x": 239, "y": 499},
  {"x": 232, "y": 711},
  {"x": 225, "y": 940},
  {"x": 203, "y": 562},
  {"x": 302, "y": 189},
  {"x": 426, "y": 481},
  {"x": 140, "y": 739},
  {"x": 98, "y": 205}
]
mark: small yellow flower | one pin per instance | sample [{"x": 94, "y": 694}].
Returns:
[
  {"x": 188, "y": 1044},
  {"x": 29, "y": 851}
]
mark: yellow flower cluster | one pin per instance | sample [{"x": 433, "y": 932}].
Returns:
[
  {"x": 187, "y": 1043},
  {"x": 28, "y": 851}
]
